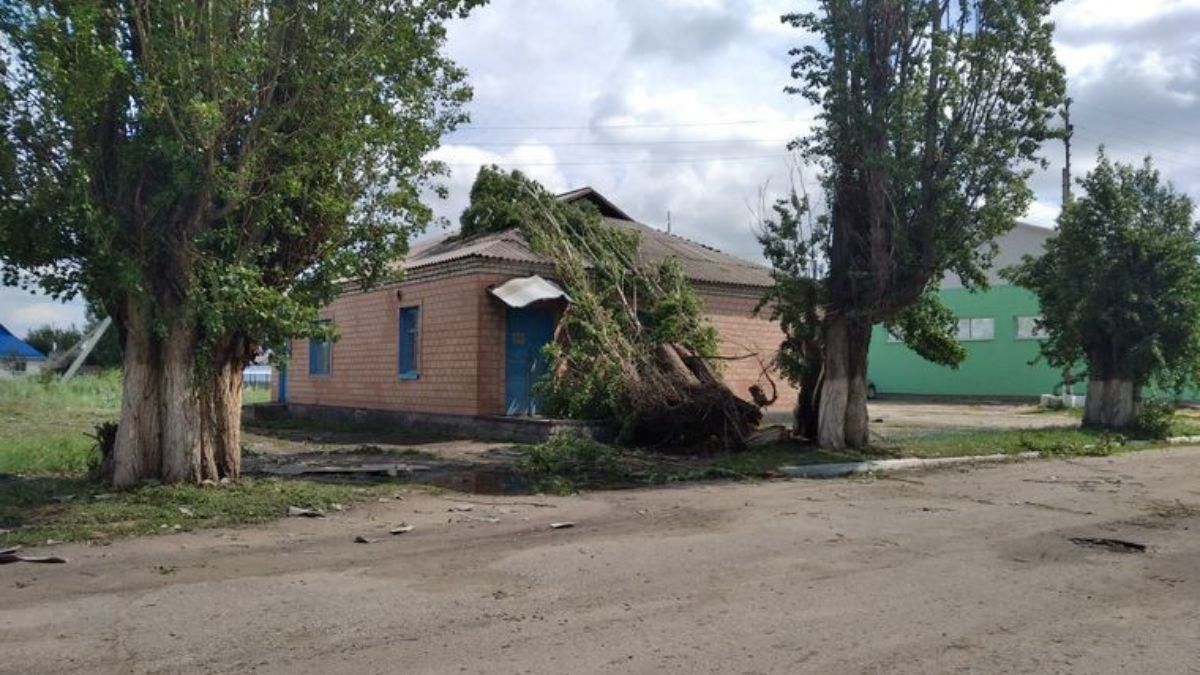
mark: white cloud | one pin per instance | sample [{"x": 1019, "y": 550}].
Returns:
[
  {"x": 21, "y": 311},
  {"x": 1095, "y": 14},
  {"x": 550, "y": 85}
]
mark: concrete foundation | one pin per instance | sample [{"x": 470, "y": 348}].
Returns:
[{"x": 491, "y": 428}]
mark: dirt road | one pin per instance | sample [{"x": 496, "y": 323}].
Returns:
[{"x": 954, "y": 571}]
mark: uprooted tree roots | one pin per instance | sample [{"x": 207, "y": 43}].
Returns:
[{"x": 677, "y": 400}]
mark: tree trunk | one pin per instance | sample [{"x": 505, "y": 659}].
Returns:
[
  {"x": 136, "y": 453},
  {"x": 221, "y": 408},
  {"x": 1111, "y": 403},
  {"x": 842, "y": 421},
  {"x": 808, "y": 400},
  {"x": 174, "y": 428}
]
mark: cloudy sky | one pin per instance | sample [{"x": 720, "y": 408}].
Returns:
[{"x": 677, "y": 106}]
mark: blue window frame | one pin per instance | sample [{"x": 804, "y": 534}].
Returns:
[
  {"x": 410, "y": 343},
  {"x": 320, "y": 356}
]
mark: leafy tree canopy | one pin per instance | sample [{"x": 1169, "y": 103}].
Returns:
[
  {"x": 930, "y": 118},
  {"x": 234, "y": 159},
  {"x": 210, "y": 173},
  {"x": 1119, "y": 282}
]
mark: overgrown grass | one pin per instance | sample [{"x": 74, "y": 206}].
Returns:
[
  {"x": 44, "y": 425},
  {"x": 46, "y": 496},
  {"x": 41, "y": 509}
]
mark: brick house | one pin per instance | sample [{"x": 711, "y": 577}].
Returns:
[{"x": 450, "y": 347}]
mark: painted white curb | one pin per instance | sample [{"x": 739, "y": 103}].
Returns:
[{"x": 851, "y": 468}]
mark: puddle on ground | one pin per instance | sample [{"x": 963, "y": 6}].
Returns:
[{"x": 488, "y": 481}]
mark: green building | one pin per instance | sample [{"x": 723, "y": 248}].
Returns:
[{"x": 997, "y": 327}]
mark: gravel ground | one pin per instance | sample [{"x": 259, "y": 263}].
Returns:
[{"x": 970, "y": 571}]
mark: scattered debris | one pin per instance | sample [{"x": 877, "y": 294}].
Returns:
[
  {"x": 337, "y": 507},
  {"x": 187, "y": 512},
  {"x": 305, "y": 513},
  {"x": 63, "y": 499},
  {"x": 477, "y": 519},
  {"x": 10, "y": 555},
  {"x": 103, "y": 497},
  {"x": 463, "y": 507},
  {"x": 362, "y": 540},
  {"x": 542, "y": 505},
  {"x": 562, "y": 525},
  {"x": 769, "y": 436},
  {"x": 1114, "y": 545},
  {"x": 404, "y": 528}
]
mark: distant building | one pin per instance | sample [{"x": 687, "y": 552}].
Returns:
[
  {"x": 18, "y": 357},
  {"x": 997, "y": 327}
]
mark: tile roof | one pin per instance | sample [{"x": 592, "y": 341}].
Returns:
[{"x": 700, "y": 263}]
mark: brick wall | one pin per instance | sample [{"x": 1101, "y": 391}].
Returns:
[
  {"x": 743, "y": 333},
  {"x": 460, "y": 350}
]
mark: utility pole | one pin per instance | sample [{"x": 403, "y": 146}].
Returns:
[
  {"x": 1069, "y": 130},
  {"x": 1068, "y": 390},
  {"x": 668, "y": 221}
]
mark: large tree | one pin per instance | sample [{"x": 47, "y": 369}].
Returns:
[
  {"x": 1119, "y": 286},
  {"x": 209, "y": 173},
  {"x": 930, "y": 113},
  {"x": 796, "y": 243}
]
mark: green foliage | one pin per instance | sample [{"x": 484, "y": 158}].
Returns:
[
  {"x": 1155, "y": 418},
  {"x": 47, "y": 425},
  {"x": 1119, "y": 282},
  {"x": 50, "y": 340},
  {"x": 1103, "y": 444},
  {"x": 620, "y": 310},
  {"x": 677, "y": 316},
  {"x": 568, "y": 460},
  {"x": 796, "y": 245},
  {"x": 222, "y": 164},
  {"x": 930, "y": 329},
  {"x": 75, "y": 509},
  {"x": 930, "y": 115}
]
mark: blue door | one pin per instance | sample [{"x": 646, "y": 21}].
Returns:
[
  {"x": 283, "y": 384},
  {"x": 526, "y": 332}
]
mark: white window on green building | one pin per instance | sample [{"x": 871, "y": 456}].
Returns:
[
  {"x": 978, "y": 328},
  {"x": 1028, "y": 328}
]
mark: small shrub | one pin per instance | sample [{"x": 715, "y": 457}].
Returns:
[
  {"x": 567, "y": 459},
  {"x": 102, "y": 460},
  {"x": 1155, "y": 417}
]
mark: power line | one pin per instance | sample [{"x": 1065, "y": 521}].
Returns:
[
  {"x": 652, "y": 125},
  {"x": 683, "y": 160},
  {"x": 1117, "y": 140},
  {"x": 1144, "y": 121},
  {"x": 725, "y": 141}
]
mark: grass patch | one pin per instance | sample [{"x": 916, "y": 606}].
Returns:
[
  {"x": 45, "y": 452},
  {"x": 961, "y": 443},
  {"x": 40, "y": 509},
  {"x": 253, "y": 395},
  {"x": 44, "y": 424}
]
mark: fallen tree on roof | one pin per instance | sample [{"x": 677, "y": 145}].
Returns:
[{"x": 633, "y": 346}]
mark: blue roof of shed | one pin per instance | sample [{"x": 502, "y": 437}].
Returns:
[{"x": 12, "y": 346}]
